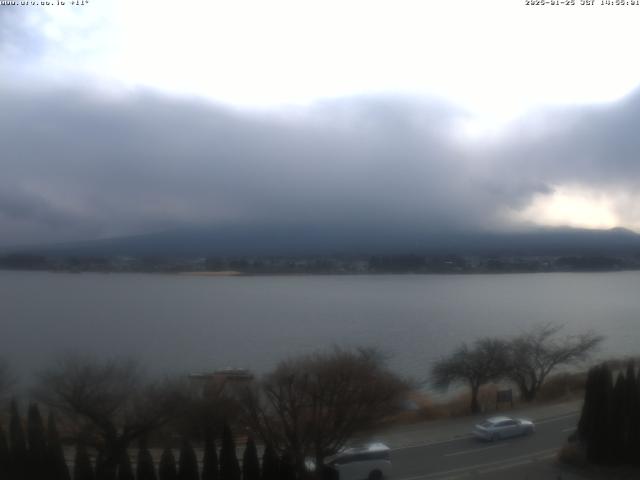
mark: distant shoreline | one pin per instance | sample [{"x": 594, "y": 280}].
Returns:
[
  {"x": 235, "y": 273},
  {"x": 212, "y": 273},
  {"x": 328, "y": 265}
]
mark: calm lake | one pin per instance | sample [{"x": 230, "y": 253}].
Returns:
[{"x": 175, "y": 323}]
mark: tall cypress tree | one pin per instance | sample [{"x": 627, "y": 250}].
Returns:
[
  {"x": 82, "y": 470},
  {"x": 269, "y": 464},
  {"x": 598, "y": 440},
  {"x": 167, "y": 468},
  {"x": 4, "y": 455},
  {"x": 188, "y": 465},
  {"x": 145, "y": 470},
  {"x": 229, "y": 467},
  {"x": 55, "y": 453},
  {"x": 629, "y": 430},
  {"x": 634, "y": 430},
  {"x": 585, "y": 424},
  {"x": 617, "y": 425},
  {"x": 588, "y": 421},
  {"x": 605, "y": 420},
  {"x": 609, "y": 426},
  {"x": 125, "y": 470},
  {"x": 37, "y": 453},
  {"x": 250, "y": 462},
  {"x": 18, "y": 444},
  {"x": 287, "y": 469},
  {"x": 210, "y": 459},
  {"x": 100, "y": 467}
]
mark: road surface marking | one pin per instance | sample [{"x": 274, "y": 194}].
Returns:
[
  {"x": 473, "y": 450},
  {"x": 560, "y": 417},
  {"x": 571, "y": 429},
  {"x": 436, "y": 442},
  {"x": 511, "y": 464},
  {"x": 498, "y": 468},
  {"x": 467, "y": 436},
  {"x": 513, "y": 461}
]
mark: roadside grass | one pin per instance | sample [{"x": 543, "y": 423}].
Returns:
[{"x": 563, "y": 386}]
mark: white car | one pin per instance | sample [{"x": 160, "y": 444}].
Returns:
[
  {"x": 495, "y": 428},
  {"x": 370, "y": 462}
]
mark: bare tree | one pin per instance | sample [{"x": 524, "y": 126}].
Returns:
[
  {"x": 207, "y": 406},
  {"x": 313, "y": 405},
  {"x": 536, "y": 353},
  {"x": 483, "y": 362},
  {"x": 108, "y": 402}
]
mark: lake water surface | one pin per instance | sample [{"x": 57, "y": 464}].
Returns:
[{"x": 179, "y": 323}]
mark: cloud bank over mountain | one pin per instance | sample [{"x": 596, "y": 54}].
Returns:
[
  {"x": 78, "y": 165},
  {"x": 84, "y": 157}
]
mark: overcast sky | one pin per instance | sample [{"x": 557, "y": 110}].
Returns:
[{"x": 121, "y": 118}]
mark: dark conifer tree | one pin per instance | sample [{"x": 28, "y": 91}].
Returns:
[
  {"x": 55, "y": 453},
  {"x": 125, "y": 470},
  {"x": 588, "y": 419},
  {"x": 4, "y": 455},
  {"x": 634, "y": 415},
  {"x": 250, "y": 462},
  {"x": 270, "y": 464},
  {"x": 167, "y": 468},
  {"x": 210, "y": 460},
  {"x": 37, "y": 450},
  {"x": 585, "y": 424},
  {"x": 598, "y": 440},
  {"x": 609, "y": 426},
  {"x": 100, "y": 468},
  {"x": 287, "y": 468},
  {"x": 188, "y": 464},
  {"x": 145, "y": 470},
  {"x": 229, "y": 467},
  {"x": 82, "y": 470},
  {"x": 630, "y": 414},
  {"x": 18, "y": 444},
  {"x": 605, "y": 419},
  {"x": 617, "y": 425}
]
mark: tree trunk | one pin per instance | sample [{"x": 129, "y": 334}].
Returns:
[
  {"x": 528, "y": 394},
  {"x": 111, "y": 457},
  {"x": 475, "y": 405},
  {"x": 319, "y": 464},
  {"x": 300, "y": 467}
]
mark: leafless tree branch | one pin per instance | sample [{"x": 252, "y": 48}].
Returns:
[
  {"x": 313, "y": 405},
  {"x": 109, "y": 401},
  {"x": 536, "y": 353}
]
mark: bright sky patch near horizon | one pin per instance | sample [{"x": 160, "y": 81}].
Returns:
[{"x": 496, "y": 62}]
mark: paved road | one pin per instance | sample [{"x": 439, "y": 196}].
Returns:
[{"x": 468, "y": 457}]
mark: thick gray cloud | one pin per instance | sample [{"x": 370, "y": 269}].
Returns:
[
  {"x": 598, "y": 144},
  {"x": 594, "y": 148},
  {"x": 83, "y": 163},
  {"x": 77, "y": 165}
]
